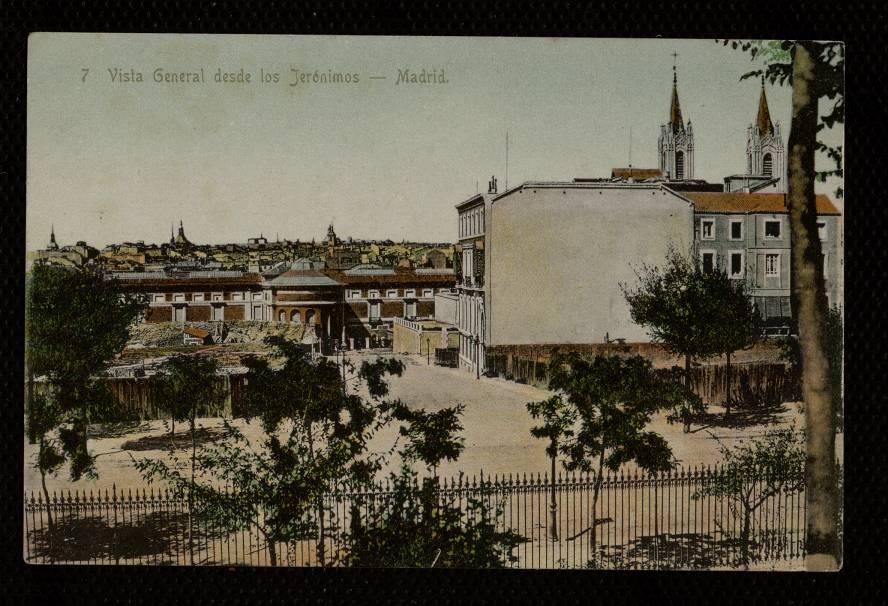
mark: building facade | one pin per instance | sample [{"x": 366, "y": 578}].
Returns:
[
  {"x": 374, "y": 296},
  {"x": 747, "y": 235},
  {"x": 471, "y": 284}
]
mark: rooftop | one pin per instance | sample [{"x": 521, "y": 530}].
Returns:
[{"x": 740, "y": 202}]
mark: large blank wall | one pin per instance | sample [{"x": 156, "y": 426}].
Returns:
[{"x": 557, "y": 258}]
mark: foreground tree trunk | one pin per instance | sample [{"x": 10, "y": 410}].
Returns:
[{"x": 810, "y": 307}]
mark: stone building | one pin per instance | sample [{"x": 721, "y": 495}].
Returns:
[
  {"x": 747, "y": 235},
  {"x": 374, "y": 296}
]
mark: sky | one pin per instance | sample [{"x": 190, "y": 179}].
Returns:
[{"x": 112, "y": 161}]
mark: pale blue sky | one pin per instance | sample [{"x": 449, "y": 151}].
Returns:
[{"x": 109, "y": 162}]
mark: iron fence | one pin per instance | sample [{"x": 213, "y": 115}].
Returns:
[{"x": 664, "y": 521}]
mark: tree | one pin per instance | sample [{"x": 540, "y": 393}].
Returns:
[
  {"x": 735, "y": 321},
  {"x": 815, "y": 71},
  {"x": 679, "y": 304},
  {"x": 753, "y": 473},
  {"x": 612, "y": 399},
  {"x": 76, "y": 321},
  {"x": 315, "y": 434},
  {"x": 420, "y": 527},
  {"x": 188, "y": 386},
  {"x": 558, "y": 421}
]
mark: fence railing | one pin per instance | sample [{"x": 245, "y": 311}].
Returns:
[{"x": 664, "y": 521}]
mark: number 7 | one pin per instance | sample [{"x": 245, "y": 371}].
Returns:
[{"x": 85, "y": 71}]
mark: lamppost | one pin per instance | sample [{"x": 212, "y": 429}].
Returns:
[{"x": 428, "y": 351}]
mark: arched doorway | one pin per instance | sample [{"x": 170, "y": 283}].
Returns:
[
  {"x": 295, "y": 318},
  {"x": 282, "y": 316},
  {"x": 310, "y": 317}
]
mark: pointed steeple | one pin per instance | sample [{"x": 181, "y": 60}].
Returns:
[
  {"x": 52, "y": 240},
  {"x": 763, "y": 119},
  {"x": 675, "y": 121}
]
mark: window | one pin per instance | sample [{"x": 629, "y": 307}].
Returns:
[
  {"x": 772, "y": 229},
  {"x": 410, "y": 310},
  {"x": 374, "y": 311},
  {"x": 159, "y": 298},
  {"x": 178, "y": 297},
  {"x": 354, "y": 294},
  {"x": 391, "y": 294},
  {"x": 679, "y": 165},
  {"x": 217, "y": 296},
  {"x": 707, "y": 229},
  {"x": 428, "y": 292},
  {"x": 198, "y": 296},
  {"x": 736, "y": 229},
  {"x": 238, "y": 296},
  {"x": 823, "y": 260},
  {"x": 772, "y": 265},
  {"x": 821, "y": 230},
  {"x": 736, "y": 266},
  {"x": 410, "y": 292},
  {"x": 767, "y": 165},
  {"x": 373, "y": 294},
  {"x": 707, "y": 259},
  {"x": 218, "y": 313}
]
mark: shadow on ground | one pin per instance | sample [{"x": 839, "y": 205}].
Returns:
[
  {"x": 117, "y": 429},
  {"x": 159, "y": 538},
  {"x": 670, "y": 552},
  {"x": 739, "y": 418},
  {"x": 181, "y": 440}
]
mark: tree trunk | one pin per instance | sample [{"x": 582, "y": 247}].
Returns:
[
  {"x": 685, "y": 416},
  {"x": 810, "y": 307},
  {"x": 49, "y": 521},
  {"x": 553, "y": 505},
  {"x": 272, "y": 552},
  {"x": 728, "y": 394},
  {"x": 744, "y": 537}
]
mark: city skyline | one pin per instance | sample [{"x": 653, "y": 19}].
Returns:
[{"x": 382, "y": 161}]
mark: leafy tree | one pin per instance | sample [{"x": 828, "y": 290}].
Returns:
[
  {"x": 76, "y": 321},
  {"x": 736, "y": 323},
  {"x": 418, "y": 526},
  {"x": 187, "y": 386},
  {"x": 403, "y": 534},
  {"x": 315, "y": 435},
  {"x": 816, "y": 72},
  {"x": 682, "y": 307},
  {"x": 612, "y": 399},
  {"x": 431, "y": 436},
  {"x": 558, "y": 422},
  {"x": 754, "y": 472}
]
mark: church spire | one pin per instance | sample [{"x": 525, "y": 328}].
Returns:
[
  {"x": 675, "y": 121},
  {"x": 763, "y": 119},
  {"x": 52, "y": 240}
]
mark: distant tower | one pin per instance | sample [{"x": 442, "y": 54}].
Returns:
[
  {"x": 180, "y": 237},
  {"x": 675, "y": 147},
  {"x": 52, "y": 241},
  {"x": 332, "y": 240},
  {"x": 764, "y": 145}
]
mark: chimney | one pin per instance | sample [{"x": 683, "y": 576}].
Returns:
[{"x": 491, "y": 185}]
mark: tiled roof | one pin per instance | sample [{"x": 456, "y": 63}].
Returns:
[
  {"x": 397, "y": 277},
  {"x": 739, "y": 202},
  {"x": 200, "y": 333},
  {"x": 299, "y": 277}
]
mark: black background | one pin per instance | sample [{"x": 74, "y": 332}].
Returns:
[{"x": 860, "y": 24}]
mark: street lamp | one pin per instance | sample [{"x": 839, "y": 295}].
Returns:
[{"x": 428, "y": 351}]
